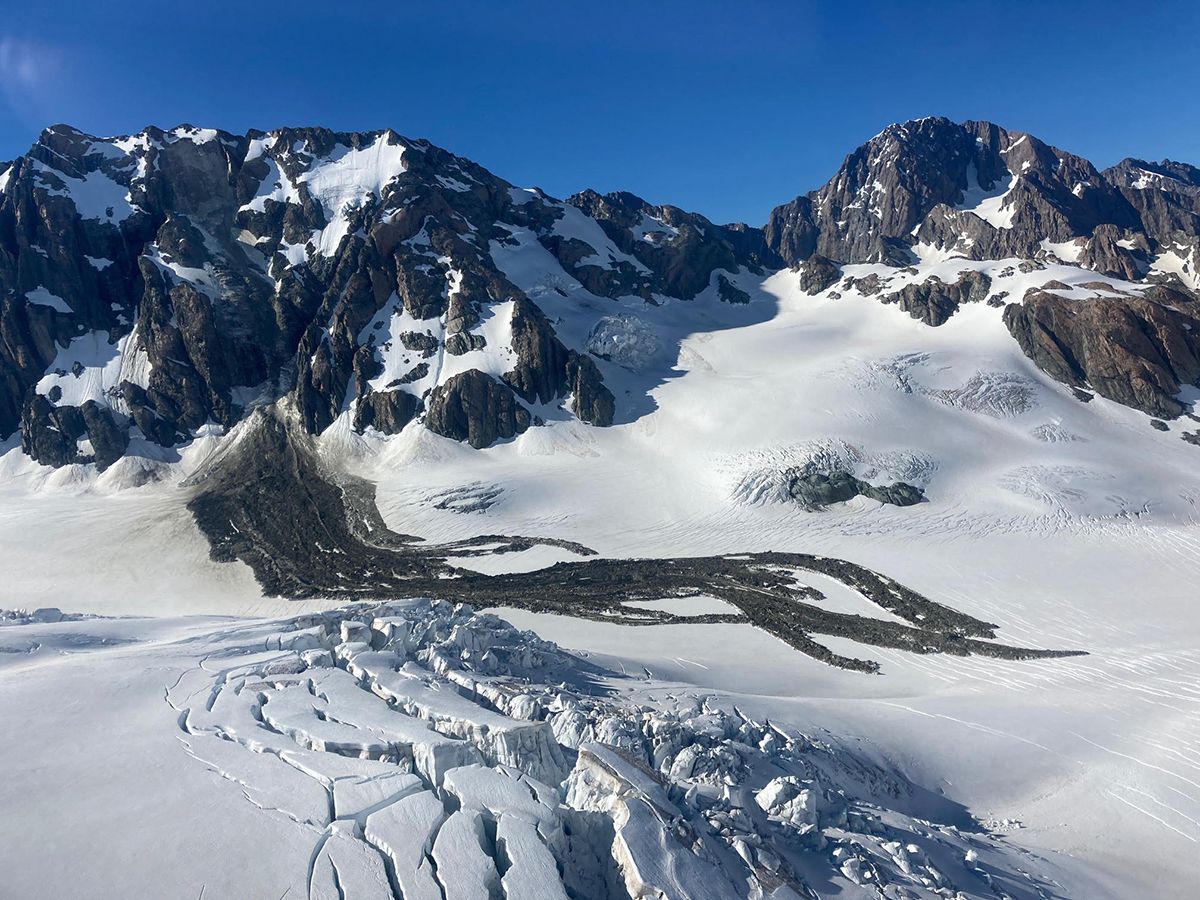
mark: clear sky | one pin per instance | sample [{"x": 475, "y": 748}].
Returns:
[{"x": 724, "y": 108}]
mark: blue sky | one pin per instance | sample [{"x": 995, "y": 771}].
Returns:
[{"x": 725, "y": 108}]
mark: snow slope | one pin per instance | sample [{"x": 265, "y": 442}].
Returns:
[
  {"x": 1068, "y": 524},
  {"x": 420, "y": 750}
]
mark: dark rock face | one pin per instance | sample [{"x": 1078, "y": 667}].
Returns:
[
  {"x": 539, "y": 375},
  {"x": 386, "y": 411},
  {"x": 425, "y": 344},
  {"x": 591, "y": 400},
  {"x": 1116, "y": 253},
  {"x": 224, "y": 265},
  {"x": 48, "y": 433},
  {"x": 792, "y": 231},
  {"x": 818, "y": 273},
  {"x": 1166, "y": 195},
  {"x": 52, "y": 435},
  {"x": 681, "y": 250},
  {"x": 817, "y": 490},
  {"x": 464, "y": 342},
  {"x": 107, "y": 439},
  {"x": 730, "y": 292},
  {"x": 29, "y": 338},
  {"x": 475, "y": 408},
  {"x": 148, "y": 421},
  {"x": 1135, "y": 349},
  {"x": 924, "y": 181},
  {"x": 933, "y": 301},
  {"x": 416, "y": 373},
  {"x": 546, "y": 370}
]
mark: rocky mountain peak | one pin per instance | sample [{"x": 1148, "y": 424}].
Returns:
[
  {"x": 158, "y": 283},
  {"x": 973, "y": 189},
  {"x": 1165, "y": 175}
]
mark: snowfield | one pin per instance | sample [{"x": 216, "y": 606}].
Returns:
[{"x": 272, "y": 747}]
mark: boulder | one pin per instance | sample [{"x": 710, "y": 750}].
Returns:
[
  {"x": 386, "y": 411},
  {"x": 818, "y": 273}
]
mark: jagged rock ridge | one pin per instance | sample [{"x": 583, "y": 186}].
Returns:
[
  {"x": 153, "y": 284},
  {"x": 936, "y": 189},
  {"x": 157, "y": 285}
]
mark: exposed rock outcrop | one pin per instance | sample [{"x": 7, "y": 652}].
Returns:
[
  {"x": 933, "y": 301},
  {"x": 65, "y": 435},
  {"x": 817, "y": 490},
  {"x": 386, "y": 411},
  {"x": 681, "y": 249},
  {"x": 972, "y": 188},
  {"x": 1136, "y": 349},
  {"x": 818, "y": 273},
  {"x": 475, "y": 408}
]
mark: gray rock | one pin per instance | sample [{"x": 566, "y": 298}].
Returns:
[
  {"x": 730, "y": 292},
  {"x": 475, "y": 408},
  {"x": 51, "y": 434},
  {"x": 416, "y": 373},
  {"x": 108, "y": 440},
  {"x": 591, "y": 401},
  {"x": 464, "y": 342},
  {"x": 818, "y": 273},
  {"x": 1138, "y": 350},
  {"x": 546, "y": 370},
  {"x": 386, "y": 411},
  {"x": 682, "y": 250},
  {"x": 425, "y": 344},
  {"x": 934, "y": 302},
  {"x": 817, "y": 490}
]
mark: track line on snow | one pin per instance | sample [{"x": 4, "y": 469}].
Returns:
[{"x": 1151, "y": 815}]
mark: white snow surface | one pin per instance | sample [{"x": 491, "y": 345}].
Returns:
[
  {"x": 42, "y": 297},
  {"x": 989, "y": 204},
  {"x": 1069, "y": 525},
  {"x": 271, "y": 758},
  {"x": 95, "y": 194},
  {"x": 348, "y": 177},
  {"x": 340, "y": 182}
]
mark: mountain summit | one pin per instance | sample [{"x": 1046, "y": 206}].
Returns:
[
  {"x": 976, "y": 190},
  {"x": 157, "y": 286}
]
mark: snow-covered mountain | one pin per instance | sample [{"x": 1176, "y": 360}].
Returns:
[
  {"x": 867, "y": 538},
  {"x": 162, "y": 283},
  {"x": 159, "y": 285}
]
